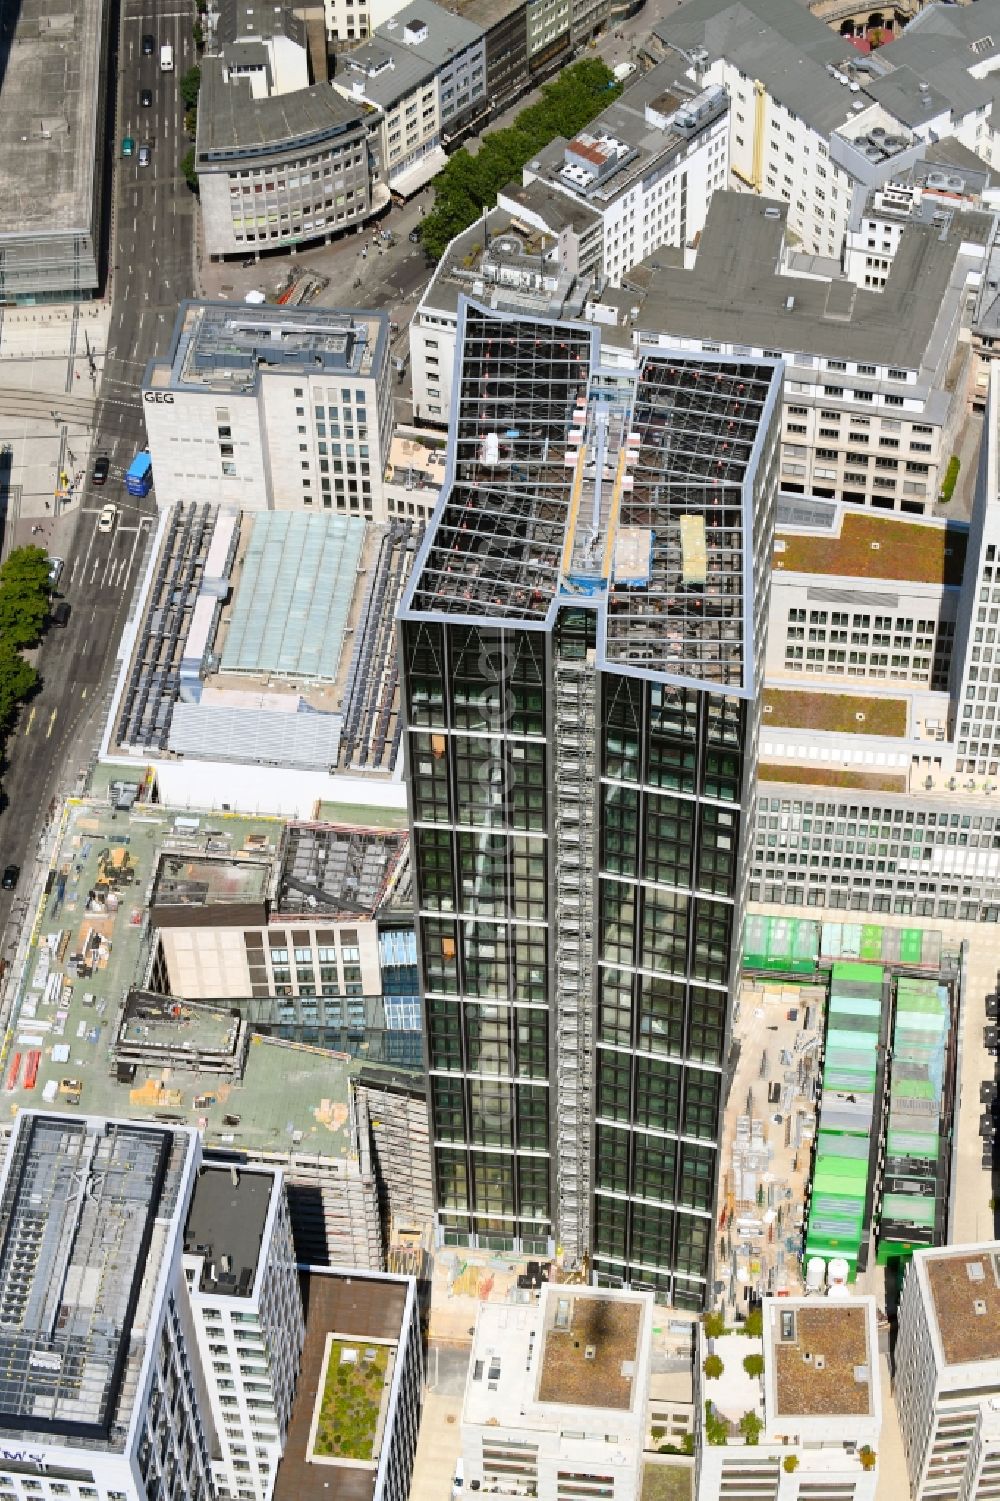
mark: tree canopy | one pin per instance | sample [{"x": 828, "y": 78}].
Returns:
[
  {"x": 190, "y": 86},
  {"x": 24, "y": 602},
  {"x": 24, "y": 596},
  {"x": 468, "y": 184},
  {"x": 18, "y": 679}
]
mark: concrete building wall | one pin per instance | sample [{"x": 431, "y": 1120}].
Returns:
[
  {"x": 297, "y": 956},
  {"x": 462, "y": 83},
  {"x": 860, "y": 849},
  {"x": 977, "y": 730},
  {"x": 299, "y": 443},
  {"x": 302, "y": 191},
  {"x": 411, "y": 129},
  {"x": 289, "y": 65},
  {"x": 775, "y": 153},
  {"x": 261, "y": 789},
  {"x": 826, "y": 629},
  {"x": 432, "y": 357},
  {"x": 206, "y": 448},
  {"x": 250, "y": 1349},
  {"x": 548, "y": 21},
  {"x": 352, "y": 21},
  {"x": 666, "y": 208}
]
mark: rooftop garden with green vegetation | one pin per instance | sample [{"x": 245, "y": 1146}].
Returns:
[{"x": 352, "y": 1396}]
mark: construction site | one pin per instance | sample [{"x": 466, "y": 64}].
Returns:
[
  {"x": 838, "y": 1135},
  {"x": 88, "y": 1033},
  {"x": 628, "y": 491}
]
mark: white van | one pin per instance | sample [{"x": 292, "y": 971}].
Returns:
[{"x": 166, "y": 58}]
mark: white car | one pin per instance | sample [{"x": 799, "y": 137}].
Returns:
[
  {"x": 107, "y": 518},
  {"x": 458, "y": 1483}
]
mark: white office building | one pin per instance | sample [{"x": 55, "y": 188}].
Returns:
[
  {"x": 948, "y": 1372},
  {"x": 648, "y": 166},
  {"x": 804, "y": 1420},
  {"x": 978, "y": 724},
  {"x": 555, "y": 1399},
  {"x": 818, "y": 126},
  {"x": 100, "y": 1392},
  {"x": 239, "y": 1262},
  {"x": 272, "y": 408},
  {"x": 263, "y": 43},
  {"x": 875, "y": 381},
  {"x": 424, "y": 71}
]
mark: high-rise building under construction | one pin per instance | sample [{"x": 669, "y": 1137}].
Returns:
[{"x": 582, "y": 648}]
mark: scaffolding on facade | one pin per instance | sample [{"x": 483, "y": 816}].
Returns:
[
  {"x": 497, "y": 547},
  {"x": 575, "y": 783}
]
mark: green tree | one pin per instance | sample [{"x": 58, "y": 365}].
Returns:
[
  {"x": 189, "y": 86},
  {"x": 713, "y": 1324},
  {"x": 18, "y": 679},
  {"x": 187, "y": 167},
  {"x": 198, "y": 32},
  {"x": 24, "y": 596},
  {"x": 713, "y": 1367},
  {"x": 751, "y": 1427},
  {"x": 716, "y": 1430},
  {"x": 790, "y": 1463},
  {"x": 950, "y": 478},
  {"x": 469, "y": 184},
  {"x": 754, "y": 1325},
  {"x": 753, "y": 1365}
]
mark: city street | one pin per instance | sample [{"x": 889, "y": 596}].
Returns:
[{"x": 151, "y": 271}]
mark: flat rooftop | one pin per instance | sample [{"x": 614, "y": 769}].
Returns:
[
  {"x": 877, "y": 547},
  {"x": 844, "y": 713},
  {"x": 356, "y": 1309},
  {"x": 49, "y": 100},
  {"x": 225, "y": 1227},
  {"x": 736, "y": 292},
  {"x": 288, "y": 629},
  {"x": 160, "y": 1029},
  {"x": 198, "y": 881},
  {"x": 654, "y": 121},
  {"x": 337, "y": 870},
  {"x": 232, "y": 123},
  {"x": 88, "y": 954},
  {"x": 965, "y": 1301},
  {"x": 590, "y": 1350},
  {"x": 837, "y": 1333},
  {"x": 216, "y": 346},
  {"x": 448, "y": 32},
  {"x": 293, "y": 594},
  {"x": 563, "y": 479},
  {"x": 238, "y": 19},
  {"x": 514, "y": 259},
  {"x": 82, "y": 1236}
]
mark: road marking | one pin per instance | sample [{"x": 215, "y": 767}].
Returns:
[
  {"x": 31, "y": 718},
  {"x": 52, "y": 721}
]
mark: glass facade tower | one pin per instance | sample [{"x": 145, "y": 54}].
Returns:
[{"x": 582, "y": 643}]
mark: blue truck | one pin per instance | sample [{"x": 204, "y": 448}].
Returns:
[{"x": 139, "y": 479}]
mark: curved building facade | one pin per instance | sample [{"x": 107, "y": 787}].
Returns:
[{"x": 281, "y": 171}]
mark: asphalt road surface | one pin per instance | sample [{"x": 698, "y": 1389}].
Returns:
[{"x": 151, "y": 250}]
